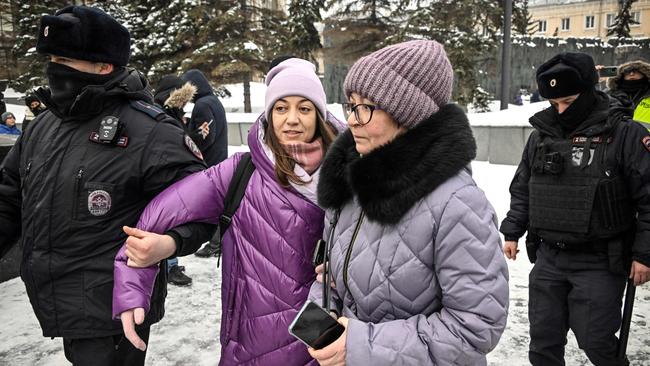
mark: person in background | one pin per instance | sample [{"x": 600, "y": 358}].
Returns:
[
  {"x": 172, "y": 94},
  {"x": 208, "y": 118},
  {"x": 83, "y": 169},
  {"x": 267, "y": 250},
  {"x": 416, "y": 255},
  {"x": 33, "y": 108},
  {"x": 8, "y": 124},
  {"x": 581, "y": 193},
  {"x": 3, "y": 106},
  {"x": 209, "y": 127},
  {"x": 631, "y": 86},
  {"x": 534, "y": 96}
]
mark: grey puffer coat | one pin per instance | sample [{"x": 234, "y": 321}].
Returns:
[{"x": 424, "y": 280}]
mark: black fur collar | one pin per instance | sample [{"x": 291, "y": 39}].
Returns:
[{"x": 392, "y": 178}]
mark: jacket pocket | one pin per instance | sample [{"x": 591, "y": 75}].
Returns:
[{"x": 93, "y": 200}]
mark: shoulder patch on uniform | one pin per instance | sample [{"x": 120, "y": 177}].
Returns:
[
  {"x": 148, "y": 109},
  {"x": 189, "y": 143},
  {"x": 646, "y": 142}
]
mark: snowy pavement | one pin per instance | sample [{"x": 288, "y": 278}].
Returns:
[{"x": 188, "y": 335}]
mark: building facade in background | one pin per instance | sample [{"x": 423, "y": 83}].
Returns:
[{"x": 585, "y": 18}]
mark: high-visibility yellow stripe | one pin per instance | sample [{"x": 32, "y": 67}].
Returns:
[{"x": 642, "y": 113}]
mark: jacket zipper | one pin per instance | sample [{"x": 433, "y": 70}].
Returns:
[
  {"x": 75, "y": 199},
  {"x": 24, "y": 181},
  {"x": 349, "y": 252}
]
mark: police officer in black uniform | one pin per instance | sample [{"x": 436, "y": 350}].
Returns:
[
  {"x": 581, "y": 192},
  {"x": 79, "y": 172}
]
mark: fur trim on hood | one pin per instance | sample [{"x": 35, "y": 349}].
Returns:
[
  {"x": 181, "y": 96},
  {"x": 390, "y": 179},
  {"x": 642, "y": 66}
]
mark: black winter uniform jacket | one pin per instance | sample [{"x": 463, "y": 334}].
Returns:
[
  {"x": 73, "y": 195},
  {"x": 629, "y": 151}
]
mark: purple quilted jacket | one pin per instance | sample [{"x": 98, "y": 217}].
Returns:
[{"x": 267, "y": 270}]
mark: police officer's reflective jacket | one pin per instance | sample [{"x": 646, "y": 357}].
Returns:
[
  {"x": 74, "y": 193},
  {"x": 585, "y": 186}
]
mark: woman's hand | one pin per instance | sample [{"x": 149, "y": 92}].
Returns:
[
  {"x": 334, "y": 354},
  {"x": 510, "y": 250},
  {"x": 145, "y": 249},
  {"x": 319, "y": 274},
  {"x": 129, "y": 319}
]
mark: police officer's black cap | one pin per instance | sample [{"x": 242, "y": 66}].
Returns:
[
  {"x": 565, "y": 74},
  {"x": 84, "y": 33}
]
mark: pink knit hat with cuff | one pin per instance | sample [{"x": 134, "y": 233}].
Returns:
[
  {"x": 294, "y": 77},
  {"x": 409, "y": 80}
]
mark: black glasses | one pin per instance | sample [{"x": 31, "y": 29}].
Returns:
[
  {"x": 362, "y": 112},
  {"x": 628, "y": 70}
]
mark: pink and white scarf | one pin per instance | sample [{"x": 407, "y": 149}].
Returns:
[{"x": 308, "y": 155}]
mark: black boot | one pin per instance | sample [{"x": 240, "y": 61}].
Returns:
[
  {"x": 209, "y": 250},
  {"x": 177, "y": 277}
]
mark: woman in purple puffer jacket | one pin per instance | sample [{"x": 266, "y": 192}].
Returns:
[{"x": 267, "y": 250}]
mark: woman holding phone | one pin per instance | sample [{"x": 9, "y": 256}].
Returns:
[
  {"x": 419, "y": 278},
  {"x": 267, "y": 251}
]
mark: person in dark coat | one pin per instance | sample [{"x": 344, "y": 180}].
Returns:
[
  {"x": 581, "y": 193},
  {"x": 3, "y": 106},
  {"x": 631, "y": 86},
  {"x": 34, "y": 107},
  {"x": 172, "y": 95},
  {"x": 86, "y": 167},
  {"x": 209, "y": 119}
]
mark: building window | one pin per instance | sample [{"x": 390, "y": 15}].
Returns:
[
  {"x": 590, "y": 22},
  {"x": 636, "y": 16},
  {"x": 609, "y": 20},
  {"x": 541, "y": 26},
  {"x": 566, "y": 24}
]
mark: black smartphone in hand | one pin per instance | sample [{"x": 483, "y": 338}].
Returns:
[
  {"x": 315, "y": 327},
  {"x": 319, "y": 253},
  {"x": 608, "y": 71}
]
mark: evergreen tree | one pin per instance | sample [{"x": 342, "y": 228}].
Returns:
[
  {"x": 522, "y": 20},
  {"x": 157, "y": 29},
  {"x": 454, "y": 24},
  {"x": 234, "y": 40},
  {"x": 481, "y": 100},
  {"x": 27, "y": 18},
  {"x": 304, "y": 39},
  {"x": 374, "y": 12},
  {"x": 354, "y": 29},
  {"x": 621, "y": 26}
]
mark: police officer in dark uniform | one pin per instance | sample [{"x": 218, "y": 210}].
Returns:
[
  {"x": 82, "y": 170},
  {"x": 581, "y": 192}
]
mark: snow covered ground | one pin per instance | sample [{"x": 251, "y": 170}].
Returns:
[{"x": 189, "y": 333}]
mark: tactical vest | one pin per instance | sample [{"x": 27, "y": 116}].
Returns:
[{"x": 576, "y": 194}]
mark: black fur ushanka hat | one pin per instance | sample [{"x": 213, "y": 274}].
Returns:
[{"x": 84, "y": 33}]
